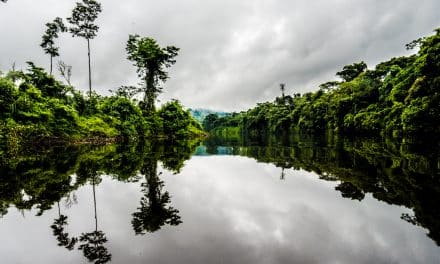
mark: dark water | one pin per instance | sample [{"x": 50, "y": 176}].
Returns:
[{"x": 313, "y": 201}]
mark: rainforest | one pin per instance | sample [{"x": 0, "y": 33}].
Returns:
[
  {"x": 118, "y": 147},
  {"x": 398, "y": 98}
]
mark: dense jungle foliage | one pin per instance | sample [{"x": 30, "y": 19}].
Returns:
[
  {"x": 399, "y": 97},
  {"x": 33, "y": 105}
]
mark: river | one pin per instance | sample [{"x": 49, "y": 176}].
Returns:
[{"x": 343, "y": 201}]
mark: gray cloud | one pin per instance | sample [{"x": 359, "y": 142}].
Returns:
[{"x": 233, "y": 53}]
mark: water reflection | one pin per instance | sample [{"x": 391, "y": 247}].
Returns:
[
  {"x": 58, "y": 228},
  {"x": 43, "y": 178},
  {"x": 92, "y": 246},
  {"x": 154, "y": 210},
  {"x": 92, "y": 243},
  {"x": 398, "y": 174}
]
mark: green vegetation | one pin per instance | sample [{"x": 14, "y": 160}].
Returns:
[
  {"x": 151, "y": 61},
  {"x": 200, "y": 114},
  {"x": 35, "y": 106},
  {"x": 226, "y": 126},
  {"x": 48, "y": 39},
  {"x": 400, "y": 97}
]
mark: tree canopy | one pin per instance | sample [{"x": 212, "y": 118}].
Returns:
[
  {"x": 48, "y": 39},
  {"x": 349, "y": 72},
  {"x": 83, "y": 18},
  {"x": 151, "y": 61}
]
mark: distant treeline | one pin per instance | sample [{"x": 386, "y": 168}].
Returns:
[
  {"x": 200, "y": 114},
  {"x": 399, "y": 97}
]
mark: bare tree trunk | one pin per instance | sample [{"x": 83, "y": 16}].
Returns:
[
  {"x": 90, "y": 70},
  {"x": 51, "y": 59}
]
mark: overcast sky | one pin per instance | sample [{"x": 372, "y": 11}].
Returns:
[{"x": 233, "y": 53}]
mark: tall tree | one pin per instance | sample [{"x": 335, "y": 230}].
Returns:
[
  {"x": 48, "y": 40},
  {"x": 82, "y": 21},
  {"x": 151, "y": 61}
]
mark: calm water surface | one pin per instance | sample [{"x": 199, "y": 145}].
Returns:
[{"x": 362, "y": 202}]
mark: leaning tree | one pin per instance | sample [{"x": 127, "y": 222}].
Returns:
[
  {"x": 48, "y": 40},
  {"x": 82, "y": 25},
  {"x": 151, "y": 61}
]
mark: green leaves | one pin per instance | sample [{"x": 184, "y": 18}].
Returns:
[
  {"x": 175, "y": 120},
  {"x": 149, "y": 57},
  {"x": 45, "y": 83},
  {"x": 83, "y": 18},
  {"x": 349, "y": 72},
  {"x": 48, "y": 39},
  {"x": 151, "y": 61},
  {"x": 8, "y": 95},
  {"x": 400, "y": 96}
]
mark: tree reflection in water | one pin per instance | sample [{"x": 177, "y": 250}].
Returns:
[
  {"x": 42, "y": 178},
  {"x": 92, "y": 243},
  {"x": 154, "y": 211},
  {"x": 93, "y": 246},
  {"x": 402, "y": 172},
  {"x": 396, "y": 173},
  {"x": 58, "y": 229}
]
